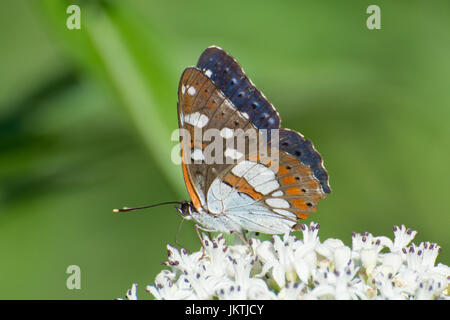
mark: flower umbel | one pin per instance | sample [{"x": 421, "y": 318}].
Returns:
[{"x": 290, "y": 268}]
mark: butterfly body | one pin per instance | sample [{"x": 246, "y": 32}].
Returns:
[{"x": 242, "y": 171}]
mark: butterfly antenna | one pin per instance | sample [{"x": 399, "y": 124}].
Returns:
[{"x": 126, "y": 209}]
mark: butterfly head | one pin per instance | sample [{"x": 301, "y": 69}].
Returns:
[{"x": 184, "y": 209}]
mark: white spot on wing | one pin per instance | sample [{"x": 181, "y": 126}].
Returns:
[
  {"x": 192, "y": 118},
  {"x": 284, "y": 212},
  {"x": 245, "y": 115},
  {"x": 183, "y": 89},
  {"x": 197, "y": 155},
  {"x": 203, "y": 121},
  {"x": 233, "y": 153},
  {"x": 257, "y": 175},
  {"x": 191, "y": 91},
  {"x": 242, "y": 167},
  {"x": 264, "y": 175},
  {"x": 277, "y": 203},
  {"x": 208, "y": 73},
  {"x": 267, "y": 187},
  {"x": 279, "y": 193},
  {"x": 196, "y": 119},
  {"x": 226, "y": 133}
]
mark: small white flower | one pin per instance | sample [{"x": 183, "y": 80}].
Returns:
[
  {"x": 131, "y": 293},
  {"x": 391, "y": 262},
  {"x": 290, "y": 268},
  {"x": 403, "y": 236},
  {"x": 342, "y": 257},
  {"x": 328, "y": 247},
  {"x": 369, "y": 258},
  {"x": 166, "y": 288}
]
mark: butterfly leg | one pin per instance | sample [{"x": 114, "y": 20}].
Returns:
[
  {"x": 197, "y": 230},
  {"x": 244, "y": 240}
]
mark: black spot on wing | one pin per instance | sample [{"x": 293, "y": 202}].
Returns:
[
  {"x": 294, "y": 144},
  {"x": 228, "y": 76}
]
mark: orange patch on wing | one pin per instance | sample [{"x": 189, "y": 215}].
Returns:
[
  {"x": 294, "y": 191},
  {"x": 300, "y": 204},
  {"x": 267, "y": 163},
  {"x": 288, "y": 180},
  {"x": 282, "y": 170},
  {"x": 242, "y": 185},
  {"x": 302, "y": 215},
  {"x": 190, "y": 188},
  {"x": 312, "y": 184}
]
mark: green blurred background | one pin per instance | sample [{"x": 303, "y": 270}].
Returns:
[{"x": 86, "y": 118}]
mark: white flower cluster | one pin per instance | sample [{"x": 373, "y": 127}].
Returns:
[{"x": 288, "y": 268}]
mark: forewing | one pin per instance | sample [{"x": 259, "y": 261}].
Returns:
[
  {"x": 202, "y": 106},
  {"x": 231, "y": 79}
]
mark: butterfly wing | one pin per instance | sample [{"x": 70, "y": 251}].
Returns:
[
  {"x": 202, "y": 106},
  {"x": 249, "y": 191}
]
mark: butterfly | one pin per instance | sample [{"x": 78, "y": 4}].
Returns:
[{"x": 248, "y": 193}]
